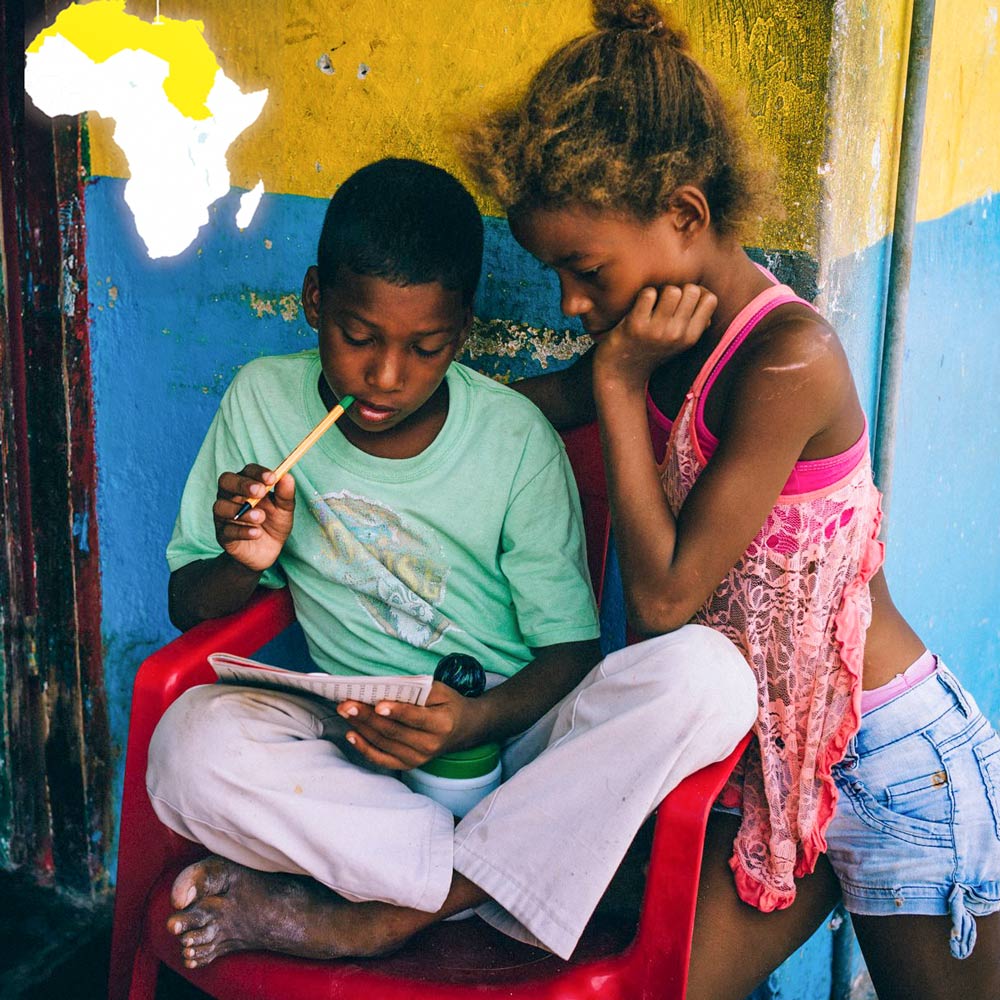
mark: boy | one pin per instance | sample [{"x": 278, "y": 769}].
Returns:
[{"x": 440, "y": 516}]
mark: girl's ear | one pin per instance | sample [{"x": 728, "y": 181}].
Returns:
[
  {"x": 310, "y": 296},
  {"x": 691, "y": 212}
]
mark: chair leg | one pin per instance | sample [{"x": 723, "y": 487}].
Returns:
[{"x": 145, "y": 971}]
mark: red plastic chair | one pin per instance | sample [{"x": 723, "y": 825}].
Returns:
[{"x": 452, "y": 961}]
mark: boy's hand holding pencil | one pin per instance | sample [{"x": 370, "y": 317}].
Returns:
[
  {"x": 254, "y": 508},
  {"x": 257, "y": 538}
]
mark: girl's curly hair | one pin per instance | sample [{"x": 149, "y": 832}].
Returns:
[{"x": 617, "y": 119}]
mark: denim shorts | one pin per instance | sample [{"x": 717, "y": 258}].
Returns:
[{"x": 917, "y": 826}]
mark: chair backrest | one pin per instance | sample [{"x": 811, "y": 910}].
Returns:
[{"x": 583, "y": 448}]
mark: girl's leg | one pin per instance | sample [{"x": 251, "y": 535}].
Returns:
[
  {"x": 915, "y": 842},
  {"x": 736, "y": 946},
  {"x": 909, "y": 957}
]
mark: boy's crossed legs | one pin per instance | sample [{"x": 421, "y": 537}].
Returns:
[{"x": 265, "y": 780}]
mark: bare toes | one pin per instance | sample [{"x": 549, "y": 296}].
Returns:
[
  {"x": 203, "y": 935},
  {"x": 180, "y": 923},
  {"x": 200, "y": 955},
  {"x": 194, "y": 918},
  {"x": 208, "y": 877}
]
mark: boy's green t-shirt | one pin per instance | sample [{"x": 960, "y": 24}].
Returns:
[{"x": 473, "y": 546}]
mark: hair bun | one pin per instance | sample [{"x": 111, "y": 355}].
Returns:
[{"x": 635, "y": 15}]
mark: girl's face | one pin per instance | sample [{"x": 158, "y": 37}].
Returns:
[{"x": 604, "y": 259}]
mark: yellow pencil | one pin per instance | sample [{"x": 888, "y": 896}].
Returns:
[{"x": 301, "y": 448}]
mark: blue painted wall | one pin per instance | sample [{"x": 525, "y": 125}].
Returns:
[
  {"x": 943, "y": 553},
  {"x": 168, "y": 336},
  {"x": 944, "y": 533}
]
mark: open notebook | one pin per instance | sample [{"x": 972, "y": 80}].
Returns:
[{"x": 410, "y": 688}]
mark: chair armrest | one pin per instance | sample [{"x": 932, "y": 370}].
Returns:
[
  {"x": 144, "y": 845},
  {"x": 666, "y": 925},
  {"x": 183, "y": 663}
]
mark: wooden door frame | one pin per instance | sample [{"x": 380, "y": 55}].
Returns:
[{"x": 56, "y": 726}]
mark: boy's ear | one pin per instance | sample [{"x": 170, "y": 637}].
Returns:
[
  {"x": 466, "y": 330},
  {"x": 691, "y": 212},
  {"x": 311, "y": 296}
]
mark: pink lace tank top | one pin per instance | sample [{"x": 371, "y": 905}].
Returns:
[{"x": 797, "y": 604}]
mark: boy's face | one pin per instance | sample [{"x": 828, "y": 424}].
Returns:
[{"x": 389, "y": 347}]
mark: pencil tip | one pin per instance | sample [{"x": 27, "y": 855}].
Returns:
[{"x": 246, "y": 506}]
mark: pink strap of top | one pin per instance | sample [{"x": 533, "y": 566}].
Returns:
[{"x": 808, "y": 475}]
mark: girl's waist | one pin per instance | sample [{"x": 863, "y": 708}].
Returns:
[
  {"x": 938, "y": 705},
  {"x": 919, "y": 670}
]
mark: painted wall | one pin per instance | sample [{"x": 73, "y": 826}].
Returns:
[
  {"x": 858, "y": 173},
  {"x": 943, "y": 551},
  {"x": 943, "y": 541},
  {"x": 354, "y": 80},
  {"x": 945, "y": 536},
  {"x": 168, "y": 335}
]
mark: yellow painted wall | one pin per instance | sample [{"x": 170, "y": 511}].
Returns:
[
  {"x": 775, "y": 56},
  {"x": 960, "y": 161},
  {"x": 868, "y": 56},
  {"x": 430, "y": 63},
  {"x": 961, "y": 157},
  {"x": 432, "y": 60}
]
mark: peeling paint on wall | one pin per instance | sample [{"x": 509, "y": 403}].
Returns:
[
  {"x": 508, "y": 350},
  {"x": 868, "y": 66},
  {"x": 286, "y": 306}
]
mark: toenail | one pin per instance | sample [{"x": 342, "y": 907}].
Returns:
[{"x": 189, "y": 898}]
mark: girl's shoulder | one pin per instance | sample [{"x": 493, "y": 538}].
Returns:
[
  {"x": 793, "y": 373},
  {"x": 793, "y": 343}
]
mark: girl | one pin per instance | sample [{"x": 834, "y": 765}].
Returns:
[{"x": 750, "y": 508}]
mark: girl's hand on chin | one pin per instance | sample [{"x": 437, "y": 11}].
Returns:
[{"x": 659, "y": 325}]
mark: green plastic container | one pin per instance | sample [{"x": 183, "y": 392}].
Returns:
[{"x": 460, "y": 779}]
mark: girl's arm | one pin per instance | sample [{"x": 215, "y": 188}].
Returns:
[
  {"x": 793, "y": 384},
  {"x": 566, "y": 397}
]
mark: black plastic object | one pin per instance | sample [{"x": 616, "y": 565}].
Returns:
[{"x": 462, "y": 672}]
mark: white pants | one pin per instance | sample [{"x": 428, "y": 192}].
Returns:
[{"x": 266, "y": 779}]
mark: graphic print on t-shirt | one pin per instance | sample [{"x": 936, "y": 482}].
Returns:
[{"x": 397, "y": 571}]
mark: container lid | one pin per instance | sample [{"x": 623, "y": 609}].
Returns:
[{"x": 471, "y": 763}]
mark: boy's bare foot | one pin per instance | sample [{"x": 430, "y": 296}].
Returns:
[{"x": 224, "y": 907}]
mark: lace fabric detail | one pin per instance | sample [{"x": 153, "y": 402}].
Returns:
[{"x": 797, "y": 604}]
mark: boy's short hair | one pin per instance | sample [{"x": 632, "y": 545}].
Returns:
[{"x": 406, "y": 222}]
